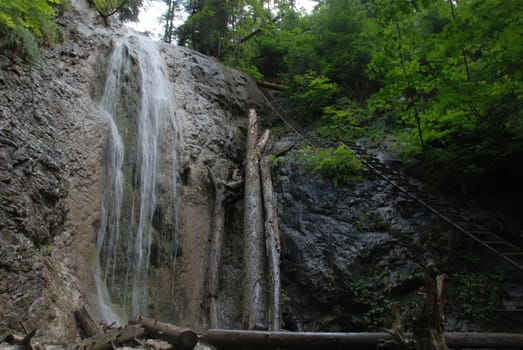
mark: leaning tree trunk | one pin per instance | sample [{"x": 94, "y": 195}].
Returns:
[
  {"x": 272, "y": 240},
  {"x": 217, "y": 230},
  {"x": 254, "y": 298}
]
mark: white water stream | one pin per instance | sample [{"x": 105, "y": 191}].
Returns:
[{"x": 130, "y": 195}]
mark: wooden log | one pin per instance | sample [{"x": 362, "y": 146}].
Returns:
[
  {"x": 264, "y": 144},
  {"x": 272, "y": 242},
  {"x": 271, "y": 86},
  {"x": 217, "y": 230},
  {"x": 87, "y": 324},
  {"x": 13, "y": 339},
  {"x": 280, "y": 151},
  {"x": 110, "y": 339},
  {"x": 254, "y": 297},
  {"x": 181, "y": 338},
  {"x": 361, "y": 341}
]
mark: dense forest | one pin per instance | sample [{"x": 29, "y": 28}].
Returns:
[{"x": 441, "y": 80}]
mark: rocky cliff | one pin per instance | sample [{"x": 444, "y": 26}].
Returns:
[
  {"x": 52, "y": 140},
  {"x": 352, "y": 255}
]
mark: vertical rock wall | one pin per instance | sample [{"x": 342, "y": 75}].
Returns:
[
  {"x": 52, "y": 139},
  {"x": 50, "y": 146},
  {"x": 212, "y": 105}
]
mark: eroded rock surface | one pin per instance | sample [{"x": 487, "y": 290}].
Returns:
[
  {"x": 52, "y": 140},
  {"x": 52, "y": 134},
  {"x": 350, "y": 255}
]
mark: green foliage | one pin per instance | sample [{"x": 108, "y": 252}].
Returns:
[
  {"x": 477, "y": 295},
  {"x": 461, "y": 80},
  {"x": 250, "y": 70},
  {"x": 275, "y": 162},
  {"x": 311, "y": 93},
  {"x": 26, "y": 24},
  {"x": 445, "y": 76},
  {"x": 128, "y": 10},
  {"x": 344, "y": 121},
  {"x": 360, "y": 289},
  {"x": 339, "y": 165},
  {"x": 381, "y": 313}
]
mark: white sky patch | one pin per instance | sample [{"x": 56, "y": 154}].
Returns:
[
  {"x": 307, "y": 5},
  {"x": 149, "y": 19}
]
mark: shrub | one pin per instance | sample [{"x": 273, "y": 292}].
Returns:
[
  {"x": 477, "y": 295},
  {"x": 339, "y": 165}
]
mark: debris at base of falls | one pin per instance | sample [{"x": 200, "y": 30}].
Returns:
[{"x": 139, "y": 333}]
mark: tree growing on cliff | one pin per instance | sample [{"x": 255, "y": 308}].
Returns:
[
  {"x": 127, "y": 10},
  {"x": 26, "y": 24}
]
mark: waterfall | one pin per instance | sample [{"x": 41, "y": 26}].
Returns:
[{"x": 136, "y": 240}]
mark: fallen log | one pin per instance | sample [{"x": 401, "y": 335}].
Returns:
[
  {"x": 361, "y": 341},
  {"x": 217, "y": 229},
  {"x": 87, "y": 324},
  {"x": 271, "y": 86},
  {"x": 180, "y": 337},
  {"x": 254, "y": 298},
  {"x": 280, "y": 151},
  {"x": 110, "y": 339},
  {"x": 272, "y": 241}
]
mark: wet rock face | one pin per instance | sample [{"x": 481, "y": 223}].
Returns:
[
  {"x": 211, "y": 102},
  {"x": 351, "y": 255},
  {"x": 31, "y": 168},
  {"x": 52, "y": 139},
  {"x": 47, "y": 177},
  {"x": 32, "y": 191},
  {"x": 347, "y": 253}
]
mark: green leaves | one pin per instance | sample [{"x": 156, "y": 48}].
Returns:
[
  {"x": 456, "y": 67},
  {"x": 24, "y": 24},
  {"x": 128, "y": 9},
  {"x": 339, "y": 165},
  {"x": 312, "y": 93}
]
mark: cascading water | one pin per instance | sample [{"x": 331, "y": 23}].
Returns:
[{"x": 136, "y": 243}]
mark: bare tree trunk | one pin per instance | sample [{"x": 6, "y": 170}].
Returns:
[
  {"x": 272, "y": 241},
  {"x": 217, "y": 229},
  {"x": 254, "y": 298}
]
